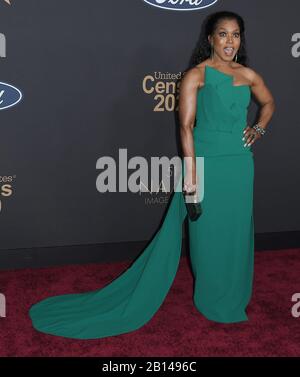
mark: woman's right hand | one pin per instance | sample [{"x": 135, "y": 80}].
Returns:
[{"x": 190, "y": 184}]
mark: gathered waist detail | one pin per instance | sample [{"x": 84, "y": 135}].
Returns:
[{"x": 215, "y": 143}]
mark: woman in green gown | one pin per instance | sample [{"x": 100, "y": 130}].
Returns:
[{"x": 214, "y": 97}]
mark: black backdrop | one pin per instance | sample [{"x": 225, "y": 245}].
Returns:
[{"x": 81, "y": 67}]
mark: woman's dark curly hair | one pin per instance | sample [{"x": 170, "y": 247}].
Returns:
[{"x": 203, "y": 49}]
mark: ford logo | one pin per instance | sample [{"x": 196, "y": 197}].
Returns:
[
  {"x": 9, "y": 95},
  {"x": 181, "y": 4}
]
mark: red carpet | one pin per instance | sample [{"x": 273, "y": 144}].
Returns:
[{"x": 177, "y": 329}]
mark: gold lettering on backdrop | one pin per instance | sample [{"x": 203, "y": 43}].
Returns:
[
  {"x": 164, "y": 89},
  {"x": 7, "y": 183}
]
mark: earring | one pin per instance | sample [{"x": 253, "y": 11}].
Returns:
[
  {"x": 211, "y": 52},
  {"x": 236, "y": 57}
]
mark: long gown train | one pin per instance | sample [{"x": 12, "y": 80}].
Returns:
[{"x": 130, "y": 300}]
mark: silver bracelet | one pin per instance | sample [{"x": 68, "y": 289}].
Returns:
[{"x": 259, "y": 129}]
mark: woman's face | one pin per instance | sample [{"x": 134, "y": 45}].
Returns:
[{"x": 226, "y": 40}]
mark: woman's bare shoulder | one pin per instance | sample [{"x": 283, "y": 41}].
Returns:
[
  {"x": 250, "y": 74},
  {"x": 195, "y": 75}
]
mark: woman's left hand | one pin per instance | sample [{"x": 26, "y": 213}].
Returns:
[{"x": 250, "y": 136}]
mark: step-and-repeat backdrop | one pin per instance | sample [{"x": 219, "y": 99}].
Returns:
[{"x": 89, "y": 86}]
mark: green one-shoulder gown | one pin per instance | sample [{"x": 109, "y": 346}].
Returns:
[{"x": 221, "y": 240}]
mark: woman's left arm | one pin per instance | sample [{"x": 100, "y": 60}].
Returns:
[{"x": 266, "y": 100}]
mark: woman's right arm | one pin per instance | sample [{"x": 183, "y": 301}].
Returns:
[{"x": 189, "y": 86}]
